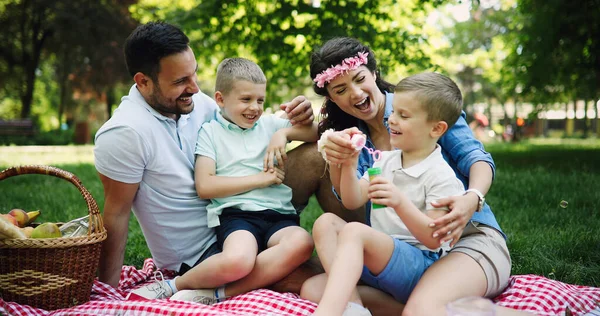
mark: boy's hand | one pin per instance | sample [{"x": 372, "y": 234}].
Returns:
[
  {"x": 268, "y": 178},
  {"x": 299, "y": 111},
  {"x": 275, "y": 152},
  {"x": 384, "y": 192}
]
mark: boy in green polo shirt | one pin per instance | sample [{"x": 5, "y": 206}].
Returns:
[{"x": 240, "y": 157}]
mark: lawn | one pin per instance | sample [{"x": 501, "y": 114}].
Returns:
[{"x": 545, "y": 197}]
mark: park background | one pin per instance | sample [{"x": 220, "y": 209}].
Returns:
[{"x": 531, "y": 67}]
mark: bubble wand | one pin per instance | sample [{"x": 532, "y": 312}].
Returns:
[{"x": 359, "y": 141}]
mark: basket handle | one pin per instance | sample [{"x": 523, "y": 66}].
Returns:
[{"x": 95, "y": 219}]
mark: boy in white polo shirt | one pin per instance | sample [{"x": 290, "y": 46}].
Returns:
[
  {"x": 239, "y": 166},
  {"x": 395, "y": 251}
]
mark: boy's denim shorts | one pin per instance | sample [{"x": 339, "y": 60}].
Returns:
[{"x": 405, "y": 268}]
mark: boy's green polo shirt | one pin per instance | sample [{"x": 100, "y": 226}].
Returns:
[{"x": 239, "y": 152}]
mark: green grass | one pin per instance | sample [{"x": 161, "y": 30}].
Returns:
[{"x": 532, "y": 179}]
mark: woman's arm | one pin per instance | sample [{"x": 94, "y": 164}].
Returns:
[
  {"x": 463, "y": 206},
  {"x": 470, "y": 160}
]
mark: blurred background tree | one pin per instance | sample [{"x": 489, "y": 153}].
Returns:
[{"x": 61, "y": 61}]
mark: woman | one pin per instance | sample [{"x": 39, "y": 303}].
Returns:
[{"x": 357, "y": 96}]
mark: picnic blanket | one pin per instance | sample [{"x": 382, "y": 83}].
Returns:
[{"x": 530, "y": 293}]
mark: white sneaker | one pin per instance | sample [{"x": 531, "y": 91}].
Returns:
[
  {"x": 156, "y": 290},
  {"x": 202, "y": 296},
  {"x": 353, "y": 309}
]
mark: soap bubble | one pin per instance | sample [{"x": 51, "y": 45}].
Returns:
[{"x": 564, "y": 204}]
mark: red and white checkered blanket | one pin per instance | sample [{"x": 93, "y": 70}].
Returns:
[{"x": 530, "y": 293}]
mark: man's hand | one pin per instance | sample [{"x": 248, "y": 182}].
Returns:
[{"x": 299, "y": 111}]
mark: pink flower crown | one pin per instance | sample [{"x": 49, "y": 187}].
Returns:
[{"x": 347, "y": 64}]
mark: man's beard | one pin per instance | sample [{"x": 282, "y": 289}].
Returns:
[{"x": 161, "y": 104}]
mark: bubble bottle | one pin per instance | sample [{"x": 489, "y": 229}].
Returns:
[{"x": 359, "y": 141}]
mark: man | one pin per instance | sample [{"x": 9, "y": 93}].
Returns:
[{"x": 145, "y": 154}]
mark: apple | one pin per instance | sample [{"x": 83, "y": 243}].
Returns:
[{"x": 21, "y": 216}]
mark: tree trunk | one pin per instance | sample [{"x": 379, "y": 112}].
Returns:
[
  {"x": 110, "y": 99},
  {"x": 585, "y": 118},
  {"x": 597, "y": 118},
  {"x": 32, "y": 59},
  {"x": 63, "y": 82}
]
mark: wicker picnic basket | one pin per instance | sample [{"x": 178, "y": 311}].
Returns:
[{"x": 51, "y": 273}]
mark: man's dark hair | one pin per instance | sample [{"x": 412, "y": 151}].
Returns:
[{"x": 149, "y": 43}]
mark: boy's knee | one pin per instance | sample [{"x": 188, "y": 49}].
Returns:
[
  {"x": 237, "y": 265},
  {"x": 351, "y": 231},
  {"x": 300, "y": 245},
  {"x": 324, "y": 223}
]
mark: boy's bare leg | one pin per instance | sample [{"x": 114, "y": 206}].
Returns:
[
  {"x": 294, "y": 281},
  {"x": 306, "y": 175},
  {"x": 287, "y": 250},
  {"x": 236, "y": 261},
  {"x": 357, "y": 244}
]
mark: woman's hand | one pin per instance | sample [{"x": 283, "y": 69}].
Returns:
[
  {"x": 338, "y": 148},
  {"x": 276, "y": 152},
  {"x": 299, "y": 111},
  {"x": 451, "y": 225}
]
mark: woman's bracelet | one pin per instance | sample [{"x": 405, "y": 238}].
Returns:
[{"x": 322, "y": 141}]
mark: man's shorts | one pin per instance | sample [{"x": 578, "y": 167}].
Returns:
[
  {"x": 487, "y": 247},
  {"x": 261, "y": 224},
  {"x": 403, "y": 271}
]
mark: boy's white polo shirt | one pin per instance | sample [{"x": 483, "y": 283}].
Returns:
[
  {"x": 139, "y": 145},
  {"x": 239, "y": 152},
  {"x": 427, "y": 181}
]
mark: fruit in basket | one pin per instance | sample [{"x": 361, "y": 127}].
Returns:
[
  {"x": 11, "y": 219},
  {"x": 8, "y": 229},
  {"x": 27, "y": 231},
  {"x": 32, "y": 216},
  {"x": 46, "y": 230},
  {"x": 21, "y": 216}
]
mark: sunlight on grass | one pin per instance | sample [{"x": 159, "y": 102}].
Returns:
[{"x": 45, "y": 155}]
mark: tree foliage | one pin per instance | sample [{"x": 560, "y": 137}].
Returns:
[
  {"x": 280, "y": 35},
  {"x": 560, "y": 47},
  {"x": 84, "y": 37}
]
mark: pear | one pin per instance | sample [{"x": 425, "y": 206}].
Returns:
[
  {"x": 21, "y": 216},
  {"x": 46, "y": 230}
]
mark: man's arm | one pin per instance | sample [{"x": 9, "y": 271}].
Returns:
[{"x": 118, "y": 198}]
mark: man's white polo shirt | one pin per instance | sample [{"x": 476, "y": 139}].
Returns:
[{"x": 139, "y": 145}]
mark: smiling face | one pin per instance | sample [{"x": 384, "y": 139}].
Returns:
[
  {"x": 409, "y": 128},
  {"x": 171, "y": 92},
  {"x": 243, "y": 105},
  {"x": 357, "y": 94}
]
